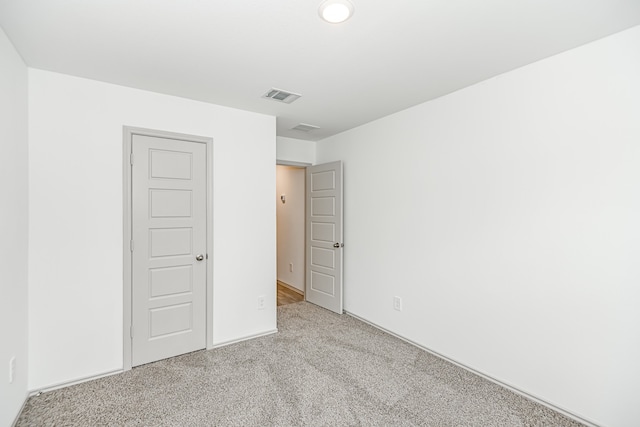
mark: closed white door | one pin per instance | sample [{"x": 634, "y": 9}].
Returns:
[
  {"x": 169, "y": 211},
  {"x": 323, "y": 285}
]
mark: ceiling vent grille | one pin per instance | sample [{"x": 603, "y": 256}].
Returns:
[
  {"x": 305, "y": 127},
  {"x": 281, "y": 95}
]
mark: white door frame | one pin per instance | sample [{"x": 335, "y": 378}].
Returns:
[{"x": 127, "y": 308}]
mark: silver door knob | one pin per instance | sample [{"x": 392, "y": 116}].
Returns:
[
  {"x": 200, "y": 257},
  {"x": 336, "y": 245}
]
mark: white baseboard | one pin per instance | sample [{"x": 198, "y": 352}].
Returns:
[
  {"x": 274, "y": 331},
  {"x": 56, "y": 386},
  {"x": 510, "y": 387},
  {"x": 245, "y": 338}
]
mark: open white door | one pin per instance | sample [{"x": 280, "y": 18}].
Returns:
[{"x": 324, "y": 236}]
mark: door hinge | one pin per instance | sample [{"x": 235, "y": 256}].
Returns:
[
  {"x": 131, "y": 245},
  {"x": 131, "y": 331},
  {"x": 131, "y": 159}
]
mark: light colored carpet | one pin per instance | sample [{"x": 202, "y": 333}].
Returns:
[{"x": 321, "y": 369}]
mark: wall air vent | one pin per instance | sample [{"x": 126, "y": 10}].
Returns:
[
  {"x": 281, "y": 95},
  {"x": 305, "y": 127}
]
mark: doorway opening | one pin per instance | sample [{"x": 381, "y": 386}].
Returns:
[
  {"x": 290, "y": 225},
  {"x": 314, "y": 237}
]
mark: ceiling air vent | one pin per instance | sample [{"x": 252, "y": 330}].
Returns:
[
  {"x": 281, "y": 96},
  {"x": 305, "y": 127}
]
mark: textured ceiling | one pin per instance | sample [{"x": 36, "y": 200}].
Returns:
[{"x": 391, "y": 55}]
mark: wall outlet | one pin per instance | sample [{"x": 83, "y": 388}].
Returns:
[
  {"x": 12, "y": 369},
  {"x": 291, "y": 267},
  {"x": 261, "y": 302},
  {"x": 397, "y": 303}
]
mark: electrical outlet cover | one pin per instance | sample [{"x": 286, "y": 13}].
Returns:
[{"x": 12, "y": 369}]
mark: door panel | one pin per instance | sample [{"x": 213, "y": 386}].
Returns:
[
  {"x": 170, "y": 203},
  {"x": 170, "y": 320},
  {"x": 323, "y": 232},
  {"x": 324, "y": 236},
  {"x": 169, "y": 230},
  {"x": 323, "y": 206},
  {"x": 170, "y": 280},
  {"x": 170, "y": 164},
  {"x": 321, "y": 257},
  {"x": 170, "y": 241},
  {"x": 323, "y": 283},
  {"x": 323, "y": 180}
]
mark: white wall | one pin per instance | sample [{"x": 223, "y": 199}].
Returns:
[
  {"x": 507, "y": 217},
  {"x": 290, "y": 181},
  {"x": 295, "y": 151},
  {"x": 13, "y": 229},
  {"x": 75, "y": 175}
]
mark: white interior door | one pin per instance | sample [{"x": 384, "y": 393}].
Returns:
[
  {"x": 169, "y": 213},
  {"x": 324, "y": 236}
]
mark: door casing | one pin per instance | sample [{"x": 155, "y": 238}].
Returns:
[{"x": 127, "y": 308}]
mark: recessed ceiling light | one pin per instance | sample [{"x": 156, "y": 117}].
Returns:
[{"x": 335, "y": 11}]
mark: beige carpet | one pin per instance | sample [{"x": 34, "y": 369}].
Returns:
[{"x": 321, "y": 369}]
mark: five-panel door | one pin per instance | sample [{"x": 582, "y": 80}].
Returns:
[
  {"x": 169, "y": 212},
  {"x": 324, "y": 236}
]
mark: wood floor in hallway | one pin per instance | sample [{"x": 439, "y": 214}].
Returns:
[{"x": 287, "y": 295}]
